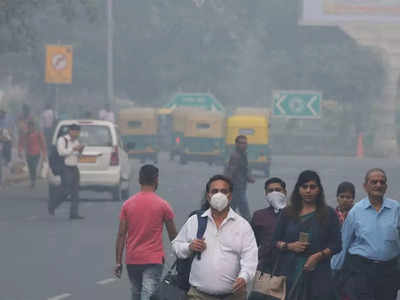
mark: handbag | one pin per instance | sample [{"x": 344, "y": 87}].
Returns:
[
  {"x": 269, "y": 286},
  {"x": 169, "y": 289}
]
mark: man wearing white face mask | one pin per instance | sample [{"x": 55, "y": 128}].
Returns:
[
  {"x": 228, "y": 249},
  {"x": 264, "y": 220}
]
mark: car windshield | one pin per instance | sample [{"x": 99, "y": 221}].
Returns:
[{"x": 92, "y": 135}]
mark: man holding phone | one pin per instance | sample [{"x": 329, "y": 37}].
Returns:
[{"x": 68, "y": 146}]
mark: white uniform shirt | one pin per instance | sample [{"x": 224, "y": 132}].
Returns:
[
  {"x": 47, "y": 118},
  {"x": 107, "y": 115},
  {"x": 231, "y": 252},
  {"x": 71, "y": 156}
]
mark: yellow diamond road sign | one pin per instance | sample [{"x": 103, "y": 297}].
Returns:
[{"x": 59, "y": 64}]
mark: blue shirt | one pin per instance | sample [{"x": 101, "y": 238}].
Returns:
[
  {"x": 5, "y": 123},
  {"x": 369, "y": 233}
]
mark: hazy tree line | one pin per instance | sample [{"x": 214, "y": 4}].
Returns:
[{"x": 238, "y": 50}]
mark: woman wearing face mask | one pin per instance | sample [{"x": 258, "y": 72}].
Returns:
[
  {"x": 307, "y": 235},
  {"x": 264, "y": 220}
]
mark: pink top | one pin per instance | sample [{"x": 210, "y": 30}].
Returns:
[{"x": 145, "y": 214}]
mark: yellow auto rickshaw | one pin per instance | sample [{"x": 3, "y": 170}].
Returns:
[
  {"x": 178, "y": 126},
  {"x": 256, "y": 129},
  {"x": 139, "y": 131},
  {"x": 203, "y": 137}
]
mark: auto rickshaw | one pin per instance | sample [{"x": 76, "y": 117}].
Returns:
[
  {"x": 203, "y": 137},
  {"x": 139, "y": 129},
  {"x": 256, "y": 129},
  {"x": 178, "y": 125}
]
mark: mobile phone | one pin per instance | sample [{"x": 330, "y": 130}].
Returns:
[{"x": 304, "y": 237}]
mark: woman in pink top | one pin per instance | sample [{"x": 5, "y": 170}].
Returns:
[{"x": 33, "y": 144}]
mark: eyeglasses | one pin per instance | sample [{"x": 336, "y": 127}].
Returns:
[
  {"x": 375, "y": 182},
  {"x": 223, "y": 191},
  {"x": 309, "y": 186}
]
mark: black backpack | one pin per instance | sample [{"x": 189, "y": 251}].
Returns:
[
  {"x": 56, "y": 161},
  {"x": 183, "y": 266}
]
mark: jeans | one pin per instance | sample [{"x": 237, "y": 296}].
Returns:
[
  {"x": 32, "y": 161},
  {"x": 239, "y": 202},
  {"x": 144, "y": 280}
]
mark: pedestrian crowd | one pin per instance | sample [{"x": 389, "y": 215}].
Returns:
[{"x": 296, "y": 248}]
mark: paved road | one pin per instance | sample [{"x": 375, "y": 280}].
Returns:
[{"x": 45, "y": 257}]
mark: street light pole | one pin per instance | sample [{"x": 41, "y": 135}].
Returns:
[{"x": 110, "y": 68}]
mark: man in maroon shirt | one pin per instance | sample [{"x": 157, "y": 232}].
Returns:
[{"x": 264, "y": 220}]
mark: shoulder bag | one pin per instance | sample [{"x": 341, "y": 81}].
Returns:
[{"x": 269, "y": 286}]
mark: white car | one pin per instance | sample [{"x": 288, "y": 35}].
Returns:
[{"x": 104, "y": 164}]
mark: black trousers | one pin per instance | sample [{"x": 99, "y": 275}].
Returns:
[
  {"x": 32, "y": 161},
  {"x": 70, "y": 178},
  {"x": 367, "y": 280}
]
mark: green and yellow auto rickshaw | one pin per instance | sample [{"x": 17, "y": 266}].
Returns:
[
  {"x": 256, "y": 128},
  {"x": 178, "y": 126},
  {"x": 139, "y": 128},
  {"x": 203, "y": 137}
]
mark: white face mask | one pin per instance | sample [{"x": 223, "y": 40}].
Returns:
[
  {"x": 219, "y": 201},
  {"x": 277, "y": 200}
]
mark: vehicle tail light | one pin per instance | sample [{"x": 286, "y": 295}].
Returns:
[{"x": 114, "y": 159}]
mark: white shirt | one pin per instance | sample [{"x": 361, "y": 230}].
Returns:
[
  {"x": 231, "y": 252},
  {"x": 47, "y": 118},
  {"x": 107, "y": 115},
  {"x": 71, "y": 156}
]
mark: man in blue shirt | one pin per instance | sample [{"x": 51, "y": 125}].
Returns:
[{"x": 371, "y": 244}]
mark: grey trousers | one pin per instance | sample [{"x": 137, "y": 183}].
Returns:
[{"x": 240, "y": 204}]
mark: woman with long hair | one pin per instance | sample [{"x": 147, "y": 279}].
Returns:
[{"x": 307, "y": 235}]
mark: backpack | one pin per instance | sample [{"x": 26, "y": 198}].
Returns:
[
  {"x": 183, "y": 266},
  {"x": 56, "y": 161}
]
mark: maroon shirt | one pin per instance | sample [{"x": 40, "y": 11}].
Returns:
[{"x": 264, "y": 223}]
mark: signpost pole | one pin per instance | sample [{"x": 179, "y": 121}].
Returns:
[{"x": 110, "y": 73}]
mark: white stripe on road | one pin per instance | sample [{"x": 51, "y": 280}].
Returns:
[
  {"x": 106, "y": 281},
  {"x": 60, "y": 297}
]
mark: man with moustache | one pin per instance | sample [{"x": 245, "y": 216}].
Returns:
[
  {"x": 228, "y": 249},
  {"x": 371, "y": 238}
]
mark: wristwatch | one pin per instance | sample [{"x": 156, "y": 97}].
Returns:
[{"x": 283, "y": 246}]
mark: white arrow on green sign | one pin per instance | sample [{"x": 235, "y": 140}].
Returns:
[
  {"x": 205, "y": 101},
  {"x": 297, "y": 104}
]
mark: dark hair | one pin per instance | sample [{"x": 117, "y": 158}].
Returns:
[
  {"x": 275, "y": 180},
  {"x": 219, "y": 177},
  {"x": 296, "y": 202},
  {"x": 240, "y": 137},
  {"x": 369, "y": 172},
  {"x": 204, "y": 202},
  {"x": 148, "y": 175},
  {"x": 344, "y": 187},
  {"x": 75, "y": 127}
]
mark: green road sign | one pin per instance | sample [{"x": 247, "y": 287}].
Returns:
[
  {"x": 297, "y": 104},
  {"x": 197, "y": 100}
]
